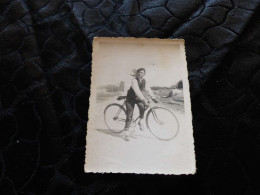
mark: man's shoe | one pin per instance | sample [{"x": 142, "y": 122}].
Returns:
[
  {"x": 126, "y": 136},
  {"x": 141, "y": 126}
]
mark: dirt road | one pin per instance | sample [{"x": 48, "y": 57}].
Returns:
[{"x": 143, "y": 153}]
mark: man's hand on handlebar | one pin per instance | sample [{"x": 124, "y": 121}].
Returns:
[
  {"x": 155, "y": 100},
  {"x": 146, "y": 102},
  {"x": 151, "y": 100}
]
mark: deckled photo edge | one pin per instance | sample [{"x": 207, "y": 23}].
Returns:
[
  {"x": 187, "y": 101},
  {"x": 91, "y": 101},
  {"x": 96, "y": 42}
]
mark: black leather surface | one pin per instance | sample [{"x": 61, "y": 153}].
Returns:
[{"x": 45, "y": 64}]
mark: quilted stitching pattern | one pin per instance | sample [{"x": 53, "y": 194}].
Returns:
[{"x": 45, "y": 64}]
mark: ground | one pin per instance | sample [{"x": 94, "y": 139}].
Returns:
[{"x": 110, "y": 152}]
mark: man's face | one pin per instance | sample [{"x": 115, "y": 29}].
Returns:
[{"x": 140, "y": 74}]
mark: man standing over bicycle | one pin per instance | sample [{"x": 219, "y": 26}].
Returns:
[{"x": 137, "y": 94}]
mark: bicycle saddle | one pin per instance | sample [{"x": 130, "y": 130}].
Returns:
[{"x": 121, "y": 97}]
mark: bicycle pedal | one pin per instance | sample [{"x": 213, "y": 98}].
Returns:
[
  {"x": 126, "y": 138},
  {"x": 132, "y": 131},
  {"x": 141, "y": 127}
]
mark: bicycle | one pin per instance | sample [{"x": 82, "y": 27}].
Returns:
[{"x": 161, "y": 122}]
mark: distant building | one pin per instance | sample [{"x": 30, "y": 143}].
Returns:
[
  {"x": 122, "y": 86},
  {"x": 180, "y": 85},
  {"x": 112, "y": 88}
]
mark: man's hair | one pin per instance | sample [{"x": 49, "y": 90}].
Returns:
[{"x": 140, "y": 69}]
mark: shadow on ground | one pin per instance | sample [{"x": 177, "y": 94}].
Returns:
[{"x": 133, "y": 134}]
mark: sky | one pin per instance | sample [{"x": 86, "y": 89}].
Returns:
[{"x": 115, "y": 61}]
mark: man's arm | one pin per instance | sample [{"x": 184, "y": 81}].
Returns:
[
  {"x": 150, "y": 91},
  {"x": 137, "y": 90},
  {"x": 148, "y": 88}
]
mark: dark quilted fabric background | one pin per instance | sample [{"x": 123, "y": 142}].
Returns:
[{"x": 45, "y": 66}]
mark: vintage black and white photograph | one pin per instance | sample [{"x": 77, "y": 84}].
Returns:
[{"x": 140, "y": 115}]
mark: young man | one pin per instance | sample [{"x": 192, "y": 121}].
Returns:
[{"x": 137, "y": 94}]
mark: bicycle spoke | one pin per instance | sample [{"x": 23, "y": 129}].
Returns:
[
  {"x": 114, "y": 122},
  {"x": 121, "y": 119},
  {"x": 156, "y": 117},
  {"x": 118, "y": 112},
  {"x": 166, "y": 127}
]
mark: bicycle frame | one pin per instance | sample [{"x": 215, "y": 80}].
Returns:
[
  {"x": 150, "y": 112},
  {"x": 149, "y": 107}
]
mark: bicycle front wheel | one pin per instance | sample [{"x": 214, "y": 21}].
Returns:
[
  {"x": 115, "y": 117},
  {"x": 162, "y": 123}
]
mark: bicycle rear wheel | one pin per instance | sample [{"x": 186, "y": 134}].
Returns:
[
  {"x": 115, "y": 117},
  {"x": 162, "y": 123}
]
